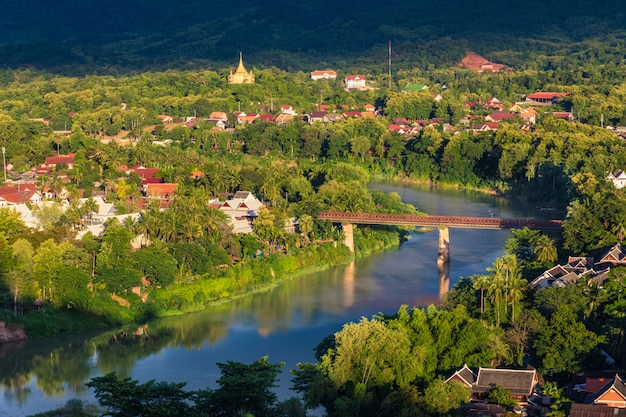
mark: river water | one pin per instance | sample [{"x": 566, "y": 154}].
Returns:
[{"x": 285, "y": 323}]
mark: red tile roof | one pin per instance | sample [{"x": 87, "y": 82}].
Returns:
[
  {"x": 594, "y": 384},
  {"x": 478, "y": 63},
  {"x": 547, "y": 95},
  {"x": 267, "y": 117},
  {"x": 502, "y": 115},
  {"x": 323, "y": 72},
  {"x": 152, "y": 180},
  {"x": 17, "y": 194},
  {"x": 60, "y": 159},
  {"x": 284, "y": 118},
  {"x": 164, "y": 190},
  {"x": 144, "y": 172},
  {"x": 218, "y": 115}
]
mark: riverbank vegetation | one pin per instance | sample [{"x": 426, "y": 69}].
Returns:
[
  {"x": 487, "y": 320},
  {"x": 193, "y": 259},
  {"x": 187, "y": 256},
  {"x": 299, "y": 169}
]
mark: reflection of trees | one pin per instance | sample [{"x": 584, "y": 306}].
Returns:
[
  {"x": 348, "y": 285},
  {"x": 52, "y": 368},
  {"x": 67, "y": 363},
  {"x": 63, "y": 365},
  {"x": 273, "y": 310},
  {"x": 193, "y": 330},
  {"x": 16, "y": 388},
  {"x": 119, "y": 351}
]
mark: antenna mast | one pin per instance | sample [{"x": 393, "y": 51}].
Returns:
[{"x": 389, "y": 64}]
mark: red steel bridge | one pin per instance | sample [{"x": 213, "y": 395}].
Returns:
[
  {"x": 442, "y": 223},
  {"x": 466, "y": 222}
]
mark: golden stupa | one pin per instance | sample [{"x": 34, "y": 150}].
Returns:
[{"x": 241, "y": 76}]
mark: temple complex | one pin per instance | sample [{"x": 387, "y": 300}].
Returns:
[{"x": 241, "y": 76}]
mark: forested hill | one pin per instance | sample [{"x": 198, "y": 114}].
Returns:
[{"x": 110, "y": 35}]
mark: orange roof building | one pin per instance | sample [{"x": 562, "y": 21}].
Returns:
[
  {"x": 161, "y": 191},
  {"x": 476, "y": 62}
]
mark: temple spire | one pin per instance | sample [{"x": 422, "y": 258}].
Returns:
[{"x": 241, "y": 76}]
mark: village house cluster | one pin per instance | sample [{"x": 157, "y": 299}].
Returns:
[
  {"x": 481, "y": 116},
  {"x": 577, "y": 268},
  {"x": 597, "y": 394},
  {"x": 33, "y": 189},
  {"x": 524, "y": 113},
  {"x": 22, "y": 195}
]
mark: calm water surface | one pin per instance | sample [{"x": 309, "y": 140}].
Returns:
[{"x": 285, "y": 323}]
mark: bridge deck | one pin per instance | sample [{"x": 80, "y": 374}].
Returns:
[{"x": 444, "y": 221}]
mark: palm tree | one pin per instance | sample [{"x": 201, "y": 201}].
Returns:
[
  {"x": 109, "y": 186},
  {"x": 481, "y": 283},
  {"x": 78, "y": 174},
  {"x": 545, "y": 250},
  {"x": 189, "y": 230},
  {"x": 517, "y": 285},
  {"x": 594, "y": 297},
  {"x": 149, "y": 220},
  {"x": 507, "y": 283},
  {"x": 305, "y": 222},
  {"x": 90, "y": 207},
  {"x": 619, "y": 228},
  {"x": 132, "y": 226},
  {"x": 498, "y": 286},
  {"x": 56, "y": 185},
  {"x": 271, "y": 189},
  {"x": 122, "y": 190}
]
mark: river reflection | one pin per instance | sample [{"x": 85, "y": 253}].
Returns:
[{"x": 285, "y": 323}]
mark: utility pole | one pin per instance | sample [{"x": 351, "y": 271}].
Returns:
[{"x": 4, "y": 162}]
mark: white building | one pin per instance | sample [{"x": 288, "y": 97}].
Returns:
[
  {"x": 355, "y": 81},
  {"x": 323, "y": 75},
  {"x": 242, "y": 209},
  {"x": 618, "y": 179}
]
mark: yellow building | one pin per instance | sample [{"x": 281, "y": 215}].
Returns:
[{"x": 241, "y": 76}]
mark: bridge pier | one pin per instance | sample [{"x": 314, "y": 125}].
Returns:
[
  {"x": 443, "y": 261},
  {"x": 348, "y": 231}
]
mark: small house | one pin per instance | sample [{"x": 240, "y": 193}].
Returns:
[
  {"x": 354, "y": 81},
  {"x": 612, "y": 394},
  {"x": 323, "y": 75}
]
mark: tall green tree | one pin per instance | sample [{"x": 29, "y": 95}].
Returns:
[
  {"x": 564, "y": 344},
  {"x": 243, "y": 389},
  {"x": 128, "y": 398},
  {"x": 21, "y": 275}
]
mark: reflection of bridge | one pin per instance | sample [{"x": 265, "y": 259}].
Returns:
[{"x": 348, "y": 220}]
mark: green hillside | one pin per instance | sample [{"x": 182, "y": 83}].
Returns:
[{"x": 113, "y": 35}]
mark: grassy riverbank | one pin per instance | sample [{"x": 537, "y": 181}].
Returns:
[
  {"x": 247, "y": 277},
  {"x": 222, "y": 285},
  {"x": 404, "y": 179}
]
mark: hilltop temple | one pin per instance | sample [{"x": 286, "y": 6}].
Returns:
[{"x": 241, "y": 76}]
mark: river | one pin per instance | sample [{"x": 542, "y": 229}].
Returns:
[{"x": 285, "y": 323}]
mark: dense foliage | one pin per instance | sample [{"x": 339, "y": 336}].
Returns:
[
  {"x": 188, "y": 257},
  {"x": 109, "y": 36}
]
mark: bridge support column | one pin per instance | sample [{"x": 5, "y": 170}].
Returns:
[
  {"x": 443, "y": 261},
  {"x": 348, "y": 231}
]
